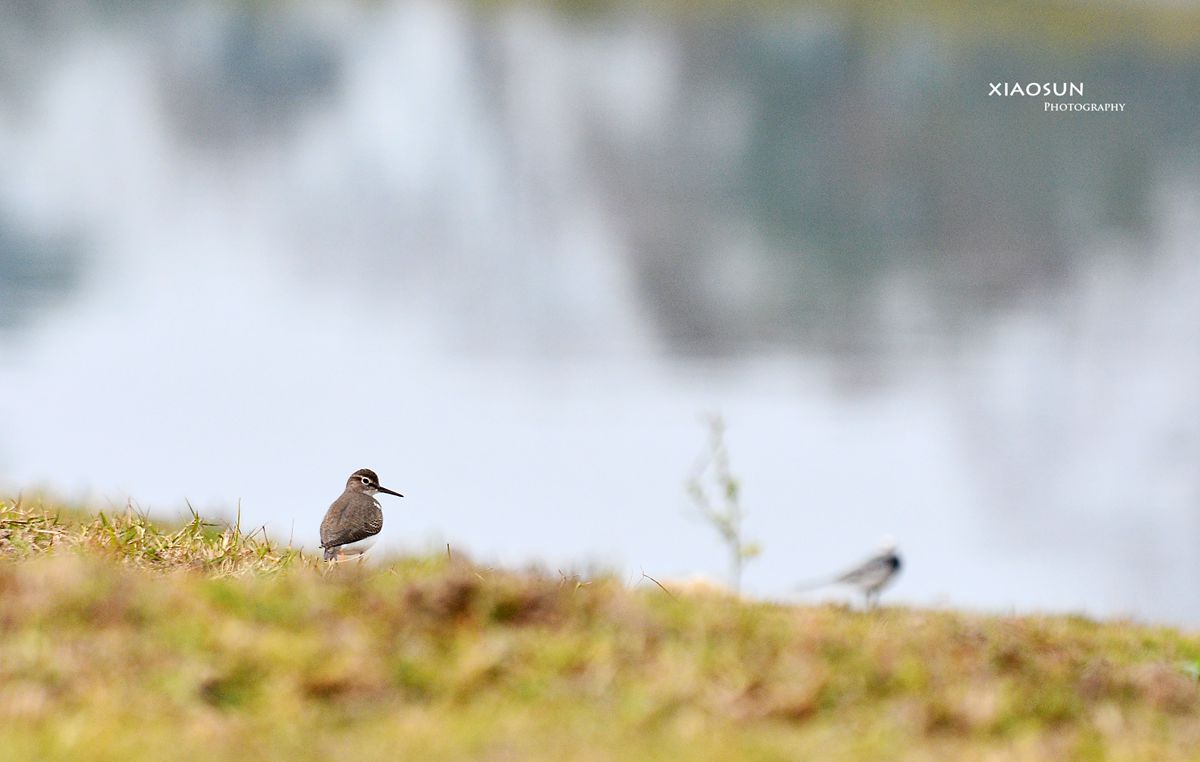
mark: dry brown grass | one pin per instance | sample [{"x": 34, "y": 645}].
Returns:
[{"x": 129, "y": 536}]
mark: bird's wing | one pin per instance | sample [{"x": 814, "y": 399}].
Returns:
[
  {"x": 342, "y": 527},
  {"x": 352, "y": 534},
  {"x": 870, "y": 570},
  {"x": 333, "y": 518}
]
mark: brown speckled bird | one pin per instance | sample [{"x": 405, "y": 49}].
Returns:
[{"x": 351, "y": 523}]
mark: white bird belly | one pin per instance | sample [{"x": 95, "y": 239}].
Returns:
[{"x": 356, "y": 548}]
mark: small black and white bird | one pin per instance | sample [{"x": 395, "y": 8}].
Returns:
[
  {"x": 871, "y": 576},
  {"x": 351, "y": 523}
]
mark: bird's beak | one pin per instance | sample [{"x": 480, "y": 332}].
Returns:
[{"x": 385, "y": 489}]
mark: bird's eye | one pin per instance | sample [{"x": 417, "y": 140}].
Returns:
[{"x": 365, "y": 480}]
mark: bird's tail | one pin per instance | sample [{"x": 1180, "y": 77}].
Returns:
[{"x": 814, "y": 584}]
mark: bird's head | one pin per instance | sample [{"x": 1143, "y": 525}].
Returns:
[{"x": 366, "y": 480}]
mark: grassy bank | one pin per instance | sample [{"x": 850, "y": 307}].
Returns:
[{"x": 120, "y": 639}]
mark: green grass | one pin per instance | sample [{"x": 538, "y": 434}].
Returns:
[{"x": 123, "y": 640}]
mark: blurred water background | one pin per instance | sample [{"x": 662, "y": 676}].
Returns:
[{"x": 507, "y": 255}]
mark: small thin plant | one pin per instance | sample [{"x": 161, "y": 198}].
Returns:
[{"x": 716, "y": 493}]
